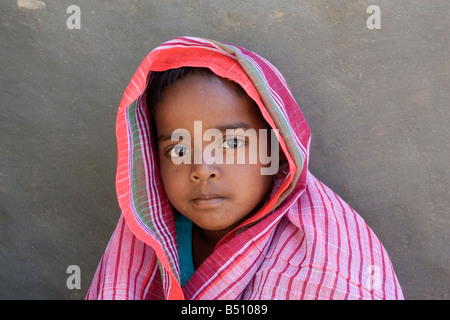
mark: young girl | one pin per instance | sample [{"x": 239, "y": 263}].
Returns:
[{"x": 202, "y": 216}]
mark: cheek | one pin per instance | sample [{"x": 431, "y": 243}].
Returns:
[
  {"x": 173, "y": 182},
  {"x": 247, "y": 179}
]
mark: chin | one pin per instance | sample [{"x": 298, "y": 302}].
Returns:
[
  {"x": 210, "y": 226},
  {"x": 213, "y": 227}
]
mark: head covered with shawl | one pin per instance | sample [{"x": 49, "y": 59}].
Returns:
[{"x": 301, "y": 242}]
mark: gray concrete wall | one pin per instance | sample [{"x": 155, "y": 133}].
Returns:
[{"x": 377, "y": 102}]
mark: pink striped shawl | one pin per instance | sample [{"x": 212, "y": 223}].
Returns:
[{"x": 305, "y": 243}]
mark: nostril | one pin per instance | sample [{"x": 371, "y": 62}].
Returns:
[
  {"x": 204, "y": 173},
  {"x": 198, "y": 178}
]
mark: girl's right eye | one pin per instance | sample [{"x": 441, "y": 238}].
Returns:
[{"x": 178, "y": 151}]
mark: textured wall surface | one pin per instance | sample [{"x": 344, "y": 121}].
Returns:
[{"x": 377, "y": 101}]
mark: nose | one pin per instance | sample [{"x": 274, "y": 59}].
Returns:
[{"x": 203, "y": 172}]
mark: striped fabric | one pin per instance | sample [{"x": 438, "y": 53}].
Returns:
[{"x": 305, "y": 243}]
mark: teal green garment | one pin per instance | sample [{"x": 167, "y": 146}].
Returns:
[{"x": 184, "y": 243}]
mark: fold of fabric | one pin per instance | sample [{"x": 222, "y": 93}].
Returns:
[{"x": 305, "y": 243}]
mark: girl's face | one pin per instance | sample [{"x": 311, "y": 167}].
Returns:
[{"x": 215, "y": 196}]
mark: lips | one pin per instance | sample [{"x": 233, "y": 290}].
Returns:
[{"x": 207, "y": 200}]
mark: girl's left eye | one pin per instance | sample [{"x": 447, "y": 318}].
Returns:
[{"x": 233, "y": 143}]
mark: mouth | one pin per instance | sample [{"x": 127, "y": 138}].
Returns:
[{"x": 207, "y": 201}]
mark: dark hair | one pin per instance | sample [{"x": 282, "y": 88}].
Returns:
[{"x": 159, "y": 80}]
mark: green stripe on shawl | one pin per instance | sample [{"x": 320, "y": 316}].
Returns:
[
  {"x": 138, "y": 175},
  {"x": 139, "y": 190}
]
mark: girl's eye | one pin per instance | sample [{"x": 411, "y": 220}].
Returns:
[
  {"x": 178, "y": 151},
  {"x": 233, "y": 143}
]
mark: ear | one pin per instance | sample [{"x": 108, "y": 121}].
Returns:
[{"x": 283, "y": 168}]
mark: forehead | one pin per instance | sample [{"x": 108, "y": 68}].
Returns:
[{"x": 212, "y": 100}]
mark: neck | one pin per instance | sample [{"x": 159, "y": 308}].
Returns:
[
  {"x": 212, "y": 237},
  {"x": 204, "y": 242}
]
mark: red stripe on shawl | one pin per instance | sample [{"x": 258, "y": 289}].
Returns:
[
  {"x": 277, "y": 282},
  {"x": 327, "y": 243},
  {"x": 139, "y": 271},
  {"x": 396, "y": 286},
  {"x": 384, "y": 273},
  {"x": 338, "y": 237},
  {"x": 298, "y": 270},
  {"x": 313, "y": 245},
  {"x": 100, "y": 276},
  {"x": 147, "y": 277},
  {"x": 371, "y": 256},
  {"x": 349, "y": 247},
  {"x": 129, "y": 269},
  {"x": 118, "y": 258},
  {"x": 300, "y": 245},
  {"x": 358, "y": 232}
]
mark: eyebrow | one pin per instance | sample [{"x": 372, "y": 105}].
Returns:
[
  {"x": 233, "y": 126},
  {"x": 222, "y": 128},
  {"x": 164, "y": 137}
]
